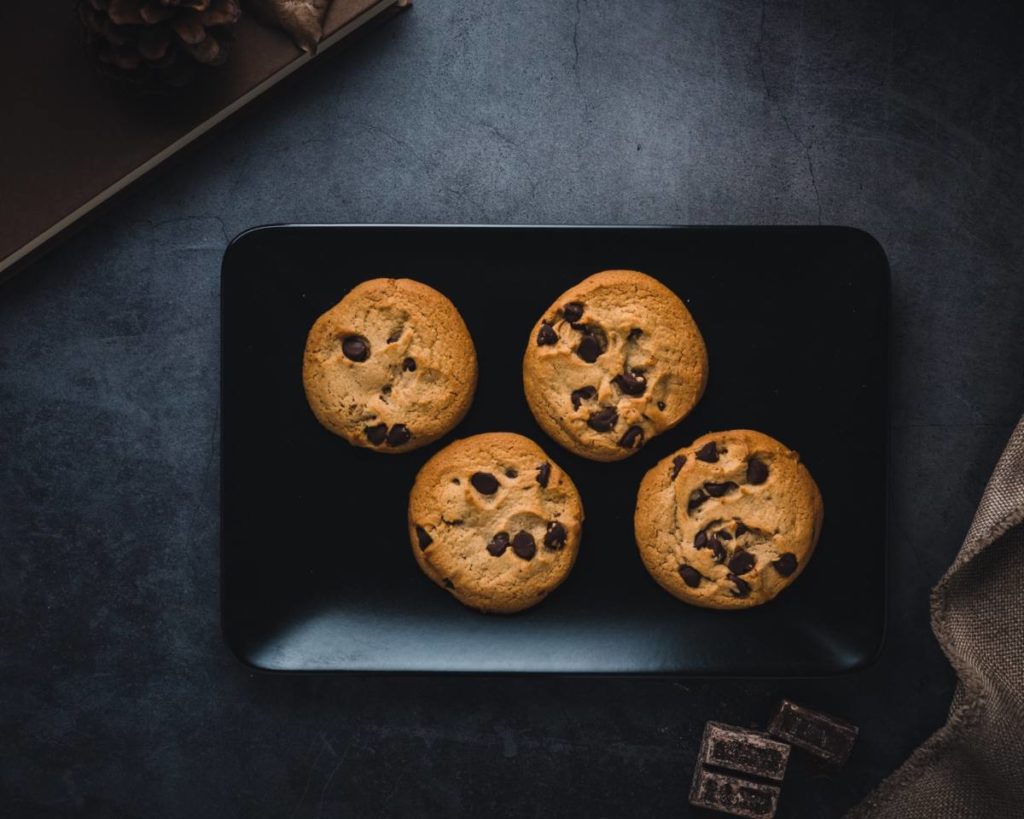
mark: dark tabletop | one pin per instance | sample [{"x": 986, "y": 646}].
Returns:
[{"x": 117, "y": 694}]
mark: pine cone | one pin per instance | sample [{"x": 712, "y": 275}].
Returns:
[{"x": 154, "y": 44}]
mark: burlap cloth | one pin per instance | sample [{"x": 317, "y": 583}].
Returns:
[{"x": 974, "y": 765}]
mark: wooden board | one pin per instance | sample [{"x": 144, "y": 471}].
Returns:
[{"x": 68, "y": 141}]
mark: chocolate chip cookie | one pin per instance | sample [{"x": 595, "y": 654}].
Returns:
[
  {"x": 729, "y": 521},
  {"x": 495, "y": 522},
  {"x": 616, "y": 360},
  {"x": 391, "y": 367}
]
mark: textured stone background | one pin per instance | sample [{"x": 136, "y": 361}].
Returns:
[{"x": 117, "y": 695}]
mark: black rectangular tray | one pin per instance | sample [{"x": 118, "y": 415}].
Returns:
[{"x": 317, "y": 572}]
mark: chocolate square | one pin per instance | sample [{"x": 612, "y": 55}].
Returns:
[
  {"x": 743, "y": 750},
  {"x": 820, "y": 734},
  {"x": 733, "y": 795}
]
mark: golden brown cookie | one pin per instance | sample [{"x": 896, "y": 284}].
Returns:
[
  {"x": 391, "y": 366},
  {"x": 495, "y": 521},
  {"x": 616, "y": 360},
  {"x": 729, "y": 521}
]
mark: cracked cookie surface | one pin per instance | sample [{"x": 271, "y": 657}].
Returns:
[
  {"x": 391, "y": 367},
  {"x": 729, "y": 521},
  {"x": 495, "y": 522},
  {"x": 615, "y": 361}
]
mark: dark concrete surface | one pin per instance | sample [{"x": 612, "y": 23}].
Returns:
[{"x": 117, "y": 695}]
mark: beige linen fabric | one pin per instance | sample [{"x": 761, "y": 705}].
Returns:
[{"x": 974, "y": 765}]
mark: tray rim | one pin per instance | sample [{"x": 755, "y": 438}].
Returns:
[{"x": 861, "y": 664}]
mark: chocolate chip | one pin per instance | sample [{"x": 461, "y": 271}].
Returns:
[
  {"x": 677, "y": 464},
  {"x": 717, "y": 550},
  {"x": 456, "y": 481},
  {"x": 376, "y": 434},
  {"x": 741, "y": 528},
  {"x": 742, "y": 586},
  {"x": 593, "y": 343},
  {"x": 741, "y": 562},
  {"x": 582, "y": 394},
  {"x": 661, "y": 405},
  {"x": 511, "y": 473},
  {"x": 701, "y": 540},
  {"x": 398, "y": 435},
  {"x": 632, "y": 438},
  {"x": 423, "y": 538},
  {"x": 546, "y": 335},
  {"x": 395, "y": 336},
  {"x": 604, "y": 419},
  {"x": 635, "y": 333},
  {"x": 523, "y": 545},
  {"x": 691, "y": 577},
  {"x": 448, "y": 583},
  {"x": 631, "y": 383},
  {"x": 716, "y": 490},
  {"x": 589, "y": 348},
  {"x": 356, "y": 348},
  {"x": 573, "y": 311},
  {"x": 696, "y": 499},
  {"x": 409, "y": 365},
  {"x": 555, "y": 536},
  {"x": 385, "y": 390},
  {"x": 785, "y": 564},
  {"x": 708, "y": 453},
  {"x": 484, "y": 483},
  {"x": 757, "y": 471},
  {"x": 498, "y": 544},
  {"x": 724, "y": 535},
  {"x": 544, "y": 474}
]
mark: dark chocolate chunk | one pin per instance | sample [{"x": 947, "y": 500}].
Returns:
[
  {"x": 733, "y": 794},
  {"x": 398, "y": 435},
  {"x": 498, "y": 544},
  {"x": 741, "y": 561},
  {"x": 757, "y": 471},
  {"x": 581, "y": 395},
  {"x": 423, "y": 538},
  {"x": 544, "y": 474},
  {"x": 356, "y": 348},
  {"x": 376, "y": 434},
  {"x": 456, "y": 481},
  {"x": 716, "y": 490},
  {"x": 511, "y": 473},
  {"x": 743, "y": 750},
  {"x": 741, "y": 528},
  {"x": 700, "y": 541},
  {"x": 523, "y": 545},
  {"x": 484, "y": 483},
  {"x": 717, "y": 549},
  {"x": 742, "y": 586},
  {"x": 691, "y": 577},
  {"x": 555, "y": 536},
  {"x": 591, "y": 345},
  {"x": 724, "y": 535},
  {"x": 707, "y": 453},
  {"x": 785, "y": 564},
  {"x": 631, "y": 383},
  {"x": 573, "y": 311},
  {"x": 696, "y": 499},
  {"x": 397, "y": 334},
  {"x": 677, "y": 464},
  {"x": 822, "y": 735},
  {"x": 385, "y": 390},
  {"x": 409, "y": 365},
  {"x": 661, "y": 405},
  {"x": 448, "y": 583},
  {"x": 632, "y": 438},
  {"x": 634, "y": 334},
  {"x": 604, "y": 419},
  {"x": 546, "y": 335}
]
